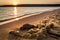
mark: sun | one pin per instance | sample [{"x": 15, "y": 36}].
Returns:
[{"x": 14, "y": 3}]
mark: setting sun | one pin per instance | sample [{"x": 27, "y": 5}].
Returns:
[{"x": 14, "y": 3}]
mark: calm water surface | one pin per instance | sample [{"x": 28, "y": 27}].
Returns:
[{"x": 12, "y": 12}]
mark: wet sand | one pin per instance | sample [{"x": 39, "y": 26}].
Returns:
[{"x": 4, "y": 29}]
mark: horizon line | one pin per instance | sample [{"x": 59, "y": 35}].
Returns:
[{"x": 31, "y": 5}]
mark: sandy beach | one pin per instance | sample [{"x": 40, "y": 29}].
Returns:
[{"x": 4, "y": 29}]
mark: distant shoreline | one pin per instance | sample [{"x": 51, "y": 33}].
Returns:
[{"x": 31, "y": 5}]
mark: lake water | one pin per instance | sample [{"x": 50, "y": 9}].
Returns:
[{"x": 12, "y": 12}]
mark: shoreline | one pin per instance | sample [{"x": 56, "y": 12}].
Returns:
[
  {"x": 23, "y": 16},
  {"x": 34, "y": 13},
  {"x": 18, "y": 18}
]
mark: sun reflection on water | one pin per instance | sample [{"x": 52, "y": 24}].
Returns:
[{"x": 15, "y": 12}]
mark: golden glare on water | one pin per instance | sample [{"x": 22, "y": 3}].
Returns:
[
  {"x": 17, "y": 18},
  {"x": 15, "y": 12}
]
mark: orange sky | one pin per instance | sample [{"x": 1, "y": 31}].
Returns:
[{"x": 3, "y": 2}]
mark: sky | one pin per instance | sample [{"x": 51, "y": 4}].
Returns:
[{"x": 3, "y": 2}]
